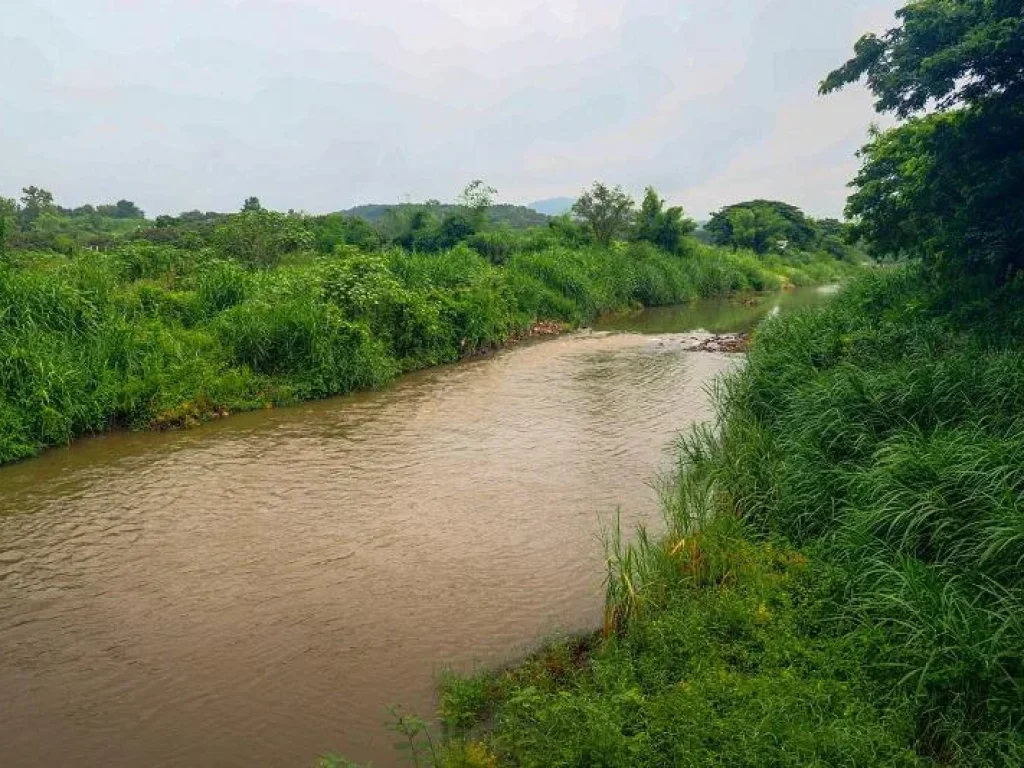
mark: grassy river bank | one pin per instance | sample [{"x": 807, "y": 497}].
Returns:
[
  {"x": 840, "y": 578},
  {"x": 156, "y": 335}
]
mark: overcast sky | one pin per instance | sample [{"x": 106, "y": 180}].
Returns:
[{"x": 321, "y": 104}]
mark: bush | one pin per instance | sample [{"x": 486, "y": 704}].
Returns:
[{"x": 310, "y": 344}]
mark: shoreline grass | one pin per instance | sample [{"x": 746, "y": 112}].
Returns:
[
  {"x": 156, "y": 336},
  {"x": 840, "y": 579}
]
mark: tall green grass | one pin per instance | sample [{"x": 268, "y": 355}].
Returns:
[
  {"x": 840, "y": 580},
  {"x": 886, "y": 434},
  {"x": 157, "y": 335}
]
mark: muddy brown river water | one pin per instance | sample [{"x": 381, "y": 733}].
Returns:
[{"x": 257, "y": 590}]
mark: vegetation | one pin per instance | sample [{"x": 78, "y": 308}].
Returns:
[
  {"x": 607, "y": 212},
  {"x": 664, "y": 227},
  {"x": 768, "y": 226},
  {"x": 840, "y": 580},
  {"x": 500, "y": 214},
  {"x": 841, "y": 576},
  {"x": 192, "y": 317},
  {"x": 946, "y": 186}
]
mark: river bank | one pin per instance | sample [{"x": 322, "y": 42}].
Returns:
[
  {"x": 154, "y": 337},
  {"x": 838, "y": 581}
]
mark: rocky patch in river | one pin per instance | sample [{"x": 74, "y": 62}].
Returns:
[{"x": 726, "y": 342}]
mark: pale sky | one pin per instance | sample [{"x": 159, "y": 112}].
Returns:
[{"x": 318, "y": 105}]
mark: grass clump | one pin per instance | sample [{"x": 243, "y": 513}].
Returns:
[
  {"x": 887, "y": 434},
  {"x": 717, "y": 657}
]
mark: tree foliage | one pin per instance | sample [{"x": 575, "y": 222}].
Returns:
[
  {"x": 126, "y": 209},
  {"x": 664, "y": 227},
  {"x": 608, "y": 212},
  {"x": 260, "y": 238},
  {"x": 35, "y": 201},
  {"x": 948, "y": 188},
  {"x": 477, "y": 198},
  {"x": 515, "y": 216},
  {"x": 336, "y": 229},
  {"x": 762, "y": 226},
  {"x": 945, "y": 186},
  {"x": 945, "y": 52}
]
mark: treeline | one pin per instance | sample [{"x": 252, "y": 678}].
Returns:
[
  {"x": 191, "y": 317},
  {"x": 35, "y": 221},
  {"x": 601, "y": 215},
  {"x": 766, "y": 226},
  {"x": 500, "y": 214}
]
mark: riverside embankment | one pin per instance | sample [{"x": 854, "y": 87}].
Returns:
[{"x": 264, "y": 585}]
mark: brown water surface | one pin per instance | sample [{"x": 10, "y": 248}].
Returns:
[{"x": 255, "y": 591}]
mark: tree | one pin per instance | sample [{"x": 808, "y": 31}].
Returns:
[
  {"x": 762, "y": 226},
  {"x": 456, "y": 227},
  {"x": 360, "y": 233},
  {"x": 946, "y": 52},
  {"x": 261, "y": 238},
  {"x": 335, "y": 229},
  {"x": 126, "y": 209},
  {"x": 35, "y": 201},
  {"x": 663, "y": 227},
  {"x": 251, "y": 204},
  {"x": 835, "y": 238},
  {"x": 946, "y": 186},
  {"x": 740, "y": 228},
  {"x": 570, "y": 231},
  {"x": 608, "y": 212},
  {"x": 478, "y": 197}
]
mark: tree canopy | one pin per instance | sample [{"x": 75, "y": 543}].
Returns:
[
  {"x": 945, "y": 185},
  {"x": 35, "y": 201},
  {"x": 762, "y": 226},
  {"x": 607, "y": 211},
  {"x": 665, "y": 227},
  {"x": 477, "y": 198},
  {"x": 945, "y": 52}
]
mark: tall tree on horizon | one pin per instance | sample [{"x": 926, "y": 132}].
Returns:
[{"x": 607, "y": 211}]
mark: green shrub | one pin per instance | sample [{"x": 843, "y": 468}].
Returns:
[{"x": 309, "y": 343}]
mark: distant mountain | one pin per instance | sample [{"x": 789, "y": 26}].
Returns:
[
  {"x": 515, "y": 216},
  {"x": 371, "y": 212},
  {"x": 553, "y": 206}
]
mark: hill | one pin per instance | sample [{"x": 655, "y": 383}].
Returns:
[
  {"x": 515, "y": 216},
  {"x": 552, "y": 206}
]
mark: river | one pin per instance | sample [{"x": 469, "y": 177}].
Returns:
[{"x": 256, "y": 591}]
